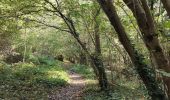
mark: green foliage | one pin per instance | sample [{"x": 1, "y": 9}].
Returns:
[
  {"x": 85, "y": 71},
  {"x": 26, "y": 80},
  {"x": 42, "y": 59},
  {"x": 33, "y": 80},
  {"x": 114, "y": 93},
  {"x": 33, "y": 59},
  {"x": 46, "y": 60}
]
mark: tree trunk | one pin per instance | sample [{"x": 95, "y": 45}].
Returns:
[
  {"x": 146, "y": 73},
  {"x": 82, "y": 58},
  {"x": 146, "y": 24},
  {"x": 97, "y": 57},
  {"x": 97, "y": 37},
  {"x": 103, "y": 82},
  {"x": 166, "y": 4}
]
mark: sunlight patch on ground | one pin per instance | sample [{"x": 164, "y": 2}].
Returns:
[
  {"x": 76, "y": 79},
  {"x": 56, "y": 74}
]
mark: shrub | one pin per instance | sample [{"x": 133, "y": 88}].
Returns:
[{"x": 46, "y": 60}]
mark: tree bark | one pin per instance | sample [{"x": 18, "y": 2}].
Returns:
[
  {"x": 166, "y": 4},
  {"x": 82, "y": 58},
  {"x": 147, "y": 27},
  {"x": 146, "y": 73},
  {"x": 97, "y": 36},
  {"x": 97, "y": 57},
  {"x": 103, "y": 82}
]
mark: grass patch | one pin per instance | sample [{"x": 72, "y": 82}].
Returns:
[
  {"x": 28, "y": 81},
  {"x": 85, "y": 71}
]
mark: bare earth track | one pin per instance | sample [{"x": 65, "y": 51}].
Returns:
[{"x": 72, "y": 91}]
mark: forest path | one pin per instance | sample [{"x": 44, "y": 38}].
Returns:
[{"x": 73, "y": 91}]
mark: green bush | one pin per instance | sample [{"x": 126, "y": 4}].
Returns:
[
  {"x": 46, "y": 60},
  {"x": 86, "y": 71}
]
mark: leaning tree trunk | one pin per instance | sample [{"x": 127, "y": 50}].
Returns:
[
  {"x": 166, "y": 4},
  {"x": 97, "y": 67},
  {"x": 147, "y": 27},
  {"x": 146, "y": 73}
]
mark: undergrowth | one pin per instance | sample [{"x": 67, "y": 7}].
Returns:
[
  {"x": 27, "y": 81},
  {"x": 85, "y": 71},
  {"x": 122, "y": 90},
  {"x": 117, "y": 92}
]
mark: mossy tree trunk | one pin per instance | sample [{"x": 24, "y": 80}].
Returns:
[
  {"x": 146, "y": 24},
  {"x": 146, "y": 73},
  {"x": 103, "y": 82}
]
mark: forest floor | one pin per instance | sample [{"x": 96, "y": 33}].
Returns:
[
  {"x": 82, "y": 86},
  {"x": 74, "y": 89},
  {"x": 54, "y": 80}
]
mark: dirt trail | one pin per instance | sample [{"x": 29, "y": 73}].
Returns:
[{"x": 71, "y": 92}]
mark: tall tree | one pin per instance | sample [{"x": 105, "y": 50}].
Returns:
[
  {"x": 146, "y": 73},
  {"x": 95, "y": 60},
  {"x": 146, "y": 23},
  {"x": 98, "y": 54}
]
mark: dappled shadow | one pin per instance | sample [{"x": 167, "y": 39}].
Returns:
[{"x": 23, "y": 80}]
